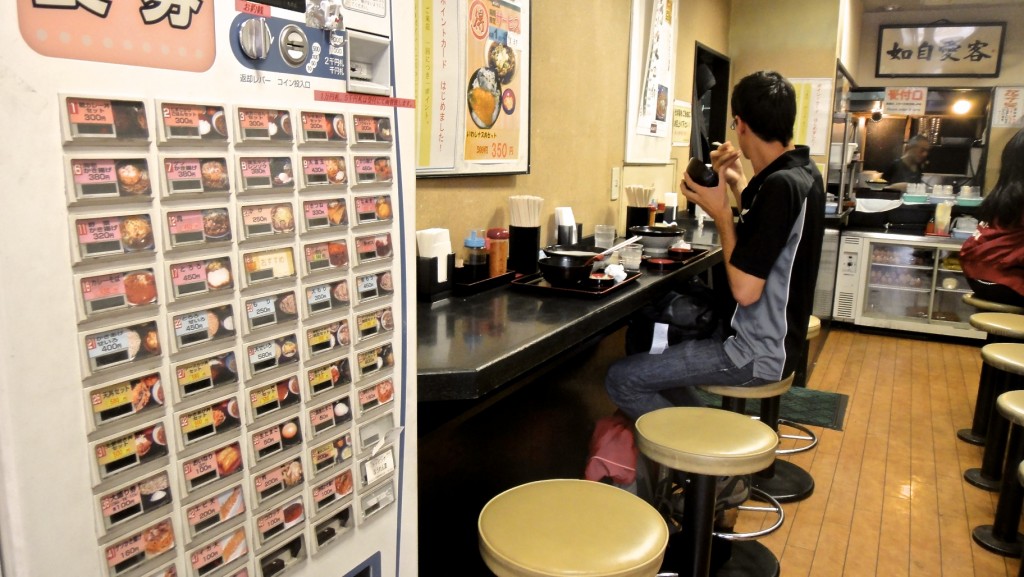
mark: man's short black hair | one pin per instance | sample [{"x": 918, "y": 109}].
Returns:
[
  {"x": 916, "y": 140},
  {"x": 766, "y": 102}
]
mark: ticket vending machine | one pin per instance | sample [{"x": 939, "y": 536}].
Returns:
[{"x": 204, "y": 316}]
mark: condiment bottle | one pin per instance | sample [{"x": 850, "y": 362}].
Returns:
[
  {"x": 498, "y": 252},
  {"x": 475, "y": 259}
]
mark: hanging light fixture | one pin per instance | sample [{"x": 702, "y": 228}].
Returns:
[{"x": 961, "y": 106}]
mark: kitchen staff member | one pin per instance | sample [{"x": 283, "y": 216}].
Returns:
[
  {"x": 908, "y": 168},
  {"x": 771, "y": 258}
]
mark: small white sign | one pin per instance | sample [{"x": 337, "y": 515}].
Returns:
[{"x": 905, "y": 101}]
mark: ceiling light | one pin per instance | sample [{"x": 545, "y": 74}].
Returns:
[{"x": 962, "y": 106}]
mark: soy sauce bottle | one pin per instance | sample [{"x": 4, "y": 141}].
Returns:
[{"x": 474, "y": 259}]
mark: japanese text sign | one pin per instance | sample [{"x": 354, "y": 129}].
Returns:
[
  {"x": 905, "y": 100},
  {"x": 965, "y": 50}
]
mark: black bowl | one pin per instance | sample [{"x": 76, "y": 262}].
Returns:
[
  {"x": 564, "y": 270},
  {"x": 568, "y": 250}
]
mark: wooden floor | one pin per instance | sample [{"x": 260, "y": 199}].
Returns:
[{"x": 890, "y": 498}]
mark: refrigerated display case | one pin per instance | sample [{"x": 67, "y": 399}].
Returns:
[{"x": 903, "y": 282}]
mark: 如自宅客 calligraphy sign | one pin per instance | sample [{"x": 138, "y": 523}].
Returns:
[{"x": 937, "y": 50}]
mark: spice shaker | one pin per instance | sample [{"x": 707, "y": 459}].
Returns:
[{"x": 498, "y": 257}]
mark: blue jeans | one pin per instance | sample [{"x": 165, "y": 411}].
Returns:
[{"x": 642, "y": 383}]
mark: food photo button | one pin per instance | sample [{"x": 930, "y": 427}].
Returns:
[
  {"x": 372, "y": 129},
  {"x": 333, "y": 453},
  {"x": 208, "y": 420},
  {"x": 272, "y": 353},
  {"x": 203, "y": 326},
  {"x": 113, "y": 235},
  {"x": 266, "y": 173},
  {"x": 199, "y": 277},
  {"x": 332, "y": 491},
  {"x": 374, "y": 285},
  {"x": 327, "y": 296},
  {"x": 329, "y": 415},
  {"x": 275, "y": 438},
  {"x": 335, "y": 375},
  {"x": 139, "y": 548},
  {"x": 379, "y": 394},
  {"x": 219, "y": 370},
  {"x": 373, "y": 170},
  {"x": 268, "y": 399},
  {"x": 279, "y": 519},
  {"x": 196, "y": 175},
  {"x": 323, "y": 338},
  {"x": 376, "y": 322},
  {"x": 325, "y": 213},
  {"x": 219, "y": 552},
  {"x": 278, "y": 479},
  {"x": 319, "y": 127},
  {"x": 324, "y": 171},
  {"x": 223, "y": 462},
  {"x": 192, "y": 124},
  {"x": 270, "y": 264},
  {"x": 269, "y": 310},
  {"x": 140, "y": 497},
  {"x": 326, "y": 256},
  {"x": 110, "y": 403},
  {"x": 263, "y": 220},
  {"x": 198, "y": 227},
  {"x": 259, "y": 125},
  {"x": 328, "y": 530},
  {"x": 373, "y": 247},
  {"x": 116, "y": 291},
  {"x": 214, "y": 511},
  {"x": 125, "y": 451},
  {"x": 103, "y": 121},
  {"x": 105, "y": 178},
  {"x": 376, "y": 359},
  {"x": 109, "y": 348},
  {"x": 373, "y": 209}
]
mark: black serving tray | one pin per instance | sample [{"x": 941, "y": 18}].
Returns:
[
  {"x": 467, "y": 289},
  {"x": 536, "y": 284}
]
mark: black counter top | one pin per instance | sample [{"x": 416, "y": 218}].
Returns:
[{"x": 469, "y": 347}]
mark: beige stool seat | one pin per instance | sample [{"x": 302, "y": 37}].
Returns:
[
  {"x": 813, "y": 327},
  {"x": 706, "y": 441},
  {"x": 1011, "y": 406},
  {"x": 991, "y": 306},
  {"x": 571, "y": 527},
  {"x": 759, "y": 392},
  {"x": 1007, "y": 357},
  {"x": 1006, "y": 325}
]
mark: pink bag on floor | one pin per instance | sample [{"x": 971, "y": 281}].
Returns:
[{"x": 613, "y": 452}]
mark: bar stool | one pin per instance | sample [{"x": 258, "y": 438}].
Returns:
[
  {"x": 813, "y": 330},
  {"x": 782, "y": 480},
  {"x": 991, "y": 306},
  {"x": 1002, "y": 536},
  {"x": 707, "y": 443},
  {"x": 1007, "y": 361},
  {"x": 999, "y": 328},
  {"x": 571, "y": 527}
]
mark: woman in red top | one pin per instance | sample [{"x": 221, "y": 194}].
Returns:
[{"x": 993, "y": 259}]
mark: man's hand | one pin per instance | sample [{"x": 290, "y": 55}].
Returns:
[
  {"x": 727, "y": 157},
  {"x": 714, "y": 201}
]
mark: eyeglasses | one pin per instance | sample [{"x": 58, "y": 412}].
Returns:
[{"x": 733, "y": 125}]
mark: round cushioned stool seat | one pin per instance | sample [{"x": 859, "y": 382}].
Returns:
[
  {"x": 571, "y": 527},
  {"x": 991, "y": 306},
  {"x": 1007, "y": 357},
  {"x": 759, "y": 392},
  {"x": 706, "y": 441},
  {"x": 813, "y": 327},
  {"x": 1011, "y": 406},
  {"x": 1007, "y": 325}
]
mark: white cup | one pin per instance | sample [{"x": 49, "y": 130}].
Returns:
[
  {"x": 630, "y": 256},
  {"x": 604, "y": 235}
]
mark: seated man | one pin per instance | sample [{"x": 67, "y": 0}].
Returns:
[
  {"x": 908, "y": 168},
  {"x": 771, "y": 259}
]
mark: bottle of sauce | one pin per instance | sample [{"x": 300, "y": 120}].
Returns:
[
  {"x": 498, "y": 252},
  {"x": 474, "y": 259}
]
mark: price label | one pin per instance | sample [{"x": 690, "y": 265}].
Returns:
[
  {"x": 115, "y": 450},
  {"x": 317, "y": 255},
  {"x": 253, "y": 118},
  {"x": 205, "y": 556},
  {"x": 365, "y": 124},
  {"x": 196, "y": 420},
  {"x": 278, "y": 262},
  {"x": 261, "y": 353},
  {"x": 367, "y": 284},
  {"x": 317, "y": 337},
  {"x": 269, "y": 480},
  {"x": 120, "y": 501},
  {"x": 315, "y": 209},
  {"x": 111, "y": 397},
  {"x": 103, "y": 287},
  {"x": 260, "y": 307},
  {"x": 183, "y": 115},
  {"x": 194, "y": 373},
  {"x": 255, "y": 167},
  {"x": 314, "y": 122},
  {"x": 189, "y": 222},
  {"x": 321, "y": 415},
  {"x": 319, "y": 376},
  {"x": 182, "y": 169},
  {"x": 189, "y": 272},
  {"x": 257, "y": 215},
  {"x": 262, "y": 397},
  {"x": 323, "y": 453},
  {"x": 266, "y": 438},
  {"x": 93, "y": 171},
  {"x": 314, "y": 166},
  {"x": 90, "y": 111},
  {"x": 108, "y": 343},
  {"x": 191, "y": 323},
  {"x": 123, "y": 551},
  {"x": 203, "y": 511},
  {"x": 323, "y": 492},
  {"x": 199, "y": 467},
  {"x": 318, "y": 294},
  {"x": 99, "y": 230},
  {"x": 270, "y": 520}
]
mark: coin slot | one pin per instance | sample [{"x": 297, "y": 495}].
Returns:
[{"x": 294, "y": 45}]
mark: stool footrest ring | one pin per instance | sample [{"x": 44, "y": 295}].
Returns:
[
  {"x": 808, "y": 435},
  {"x": 774, "y": 507}
]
